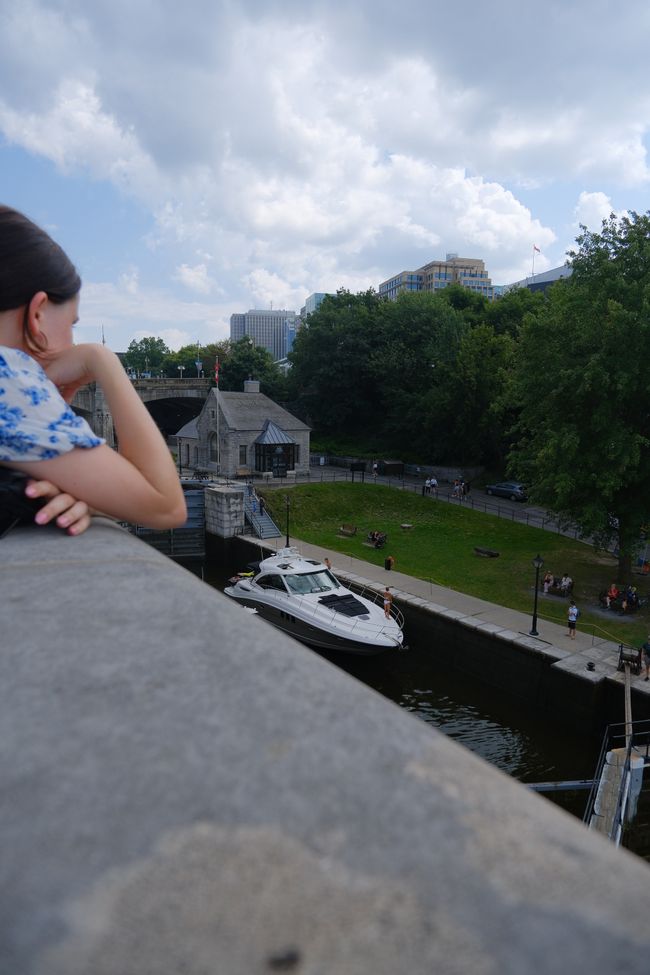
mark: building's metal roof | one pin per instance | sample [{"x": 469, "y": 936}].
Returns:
[{"x": 272, "y": 434}]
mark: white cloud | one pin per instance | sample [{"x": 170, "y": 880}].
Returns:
[
  {"x": 127, "y": 315},
  {"x": 195, "y": 278},
  {"x": 129, "y": 280},
  {"x": 280, "y": 149}
]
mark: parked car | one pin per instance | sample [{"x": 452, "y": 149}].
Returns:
[{"x": 508, "y": 489}]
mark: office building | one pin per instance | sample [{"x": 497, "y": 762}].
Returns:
[
  {"x": 543, "y": 280},
  {"x": 272, "y": 330},
  {"x": 469, "y": 272},
  {"x": 313, "y": 303}
]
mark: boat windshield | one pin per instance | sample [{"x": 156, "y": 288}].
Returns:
[{"x": 322, "y": 581}]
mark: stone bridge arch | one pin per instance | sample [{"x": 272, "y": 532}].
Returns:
[{"x": 171, "y": 402}]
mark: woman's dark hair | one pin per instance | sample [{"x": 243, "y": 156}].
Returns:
[{"x": 30, "y": 261}]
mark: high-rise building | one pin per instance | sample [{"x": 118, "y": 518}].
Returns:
[
  {"x": 272, "y": 329},
  {"x": 313, "y": 303},
  {"x": 467, "y": 271}
]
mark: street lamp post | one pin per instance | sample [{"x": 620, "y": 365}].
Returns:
[
  {"x": 286, "y": 498},
  {"x": 180, "y": 369},
  {"x": 538, "y": 562}
]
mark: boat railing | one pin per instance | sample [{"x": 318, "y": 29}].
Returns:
[{"x": 375, "y": 597}]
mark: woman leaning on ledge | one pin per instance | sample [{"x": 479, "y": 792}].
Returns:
[{"x": 41, "y": 370}]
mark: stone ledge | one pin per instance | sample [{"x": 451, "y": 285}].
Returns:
[{"x": 172, "y": 768}]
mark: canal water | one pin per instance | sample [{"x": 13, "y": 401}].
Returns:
[{"x": 530, "y": 746}]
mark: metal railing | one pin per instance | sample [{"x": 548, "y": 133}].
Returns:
[{"x": 618, "y": 736}]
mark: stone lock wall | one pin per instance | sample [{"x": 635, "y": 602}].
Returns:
[{"x": 224, "y": 510}]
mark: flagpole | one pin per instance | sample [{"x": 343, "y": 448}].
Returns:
[
  {"x": 216, "y": 376},
  {"x": 535, "y": 248}
]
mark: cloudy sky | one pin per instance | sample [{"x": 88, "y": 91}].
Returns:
[{"x": 211, "y": 156}]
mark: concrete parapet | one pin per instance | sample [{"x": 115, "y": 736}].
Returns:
[{"x": 186, "y": 789}]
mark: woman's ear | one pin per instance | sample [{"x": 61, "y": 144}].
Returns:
[{"x": 34, "y": 317}]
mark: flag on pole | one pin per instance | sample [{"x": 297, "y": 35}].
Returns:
[
  {"x": 536, "y": 248},
  {"x": 216, "y": 370}
]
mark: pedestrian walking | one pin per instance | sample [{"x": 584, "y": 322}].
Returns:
[
  {"x": 262, "y": 507},
  {"x": 433, "y": 486},
  {"x": 254, "y": 504},
  {"x": 572, "y": 616},
  {"x": 427, "y": 485}
]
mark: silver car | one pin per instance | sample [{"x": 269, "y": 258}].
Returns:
[{"x": 508, "y": 489}]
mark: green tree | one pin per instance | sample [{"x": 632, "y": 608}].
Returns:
[
  {"x": 415, "y": 344},
  {"x": 472, "y": 305},
  {"x": 582, "y": 379},
  {"x": 247, "y": 360},
  {"x": 146, "y": 355},
  {"x": 506, "y": 314},
  {"x": 470, "y": 398},
  {"x": 331, "y": 381}
]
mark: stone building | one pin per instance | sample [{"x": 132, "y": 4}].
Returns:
[{"x": 244, "y": 433}]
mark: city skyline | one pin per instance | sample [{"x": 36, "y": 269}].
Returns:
[{"x": 200, "y": 161}]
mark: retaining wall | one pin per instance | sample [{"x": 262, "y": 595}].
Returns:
[{"x": 186, "y": 789}]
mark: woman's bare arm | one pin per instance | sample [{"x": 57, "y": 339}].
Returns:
[{"x": 138, "y": 484}]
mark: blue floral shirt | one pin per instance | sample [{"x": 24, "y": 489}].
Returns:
[{"x": 35, "y": 421}]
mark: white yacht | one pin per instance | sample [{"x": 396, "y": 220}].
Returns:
[{"x": 304, "y": 598}]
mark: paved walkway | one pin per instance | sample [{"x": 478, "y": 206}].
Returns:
[{"x": 503, "y": 623}]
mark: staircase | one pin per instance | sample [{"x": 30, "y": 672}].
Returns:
[{"x": 262, "y": 525}]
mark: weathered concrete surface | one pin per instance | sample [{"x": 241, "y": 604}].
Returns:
[{"x": 186, "y": 790}]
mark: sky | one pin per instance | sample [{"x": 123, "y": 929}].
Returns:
[{"x": 208, "y": 157}]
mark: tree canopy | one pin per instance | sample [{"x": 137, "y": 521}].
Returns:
[
  {"x": 582, "y": 439},
  {"x": 410, "y": 372},
  {"x": 147, "y": 354}
]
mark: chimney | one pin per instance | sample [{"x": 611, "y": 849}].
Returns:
[{"x": 251, "y": 385}]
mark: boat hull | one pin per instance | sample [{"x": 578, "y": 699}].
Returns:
[
  {"x": 302, "y": 597},
  {"x": 306, "y": 632}
]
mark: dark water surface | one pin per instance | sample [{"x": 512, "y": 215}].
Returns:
[{"x": 530, "y": 746}]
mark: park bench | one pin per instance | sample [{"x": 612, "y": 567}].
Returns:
[
  {"x": 243, "y": 472},
  {"x": 617, "y": 605},
  {"x": 348, "y": 530},
  {"x": 376, "y": 539},
  {"x": 555, "y": 590},
  {"x": 487, "y": 553}
]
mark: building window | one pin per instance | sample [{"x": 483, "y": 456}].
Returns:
[{"x": 243, "y": 454}]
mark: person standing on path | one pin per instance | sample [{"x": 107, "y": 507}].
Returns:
[{"x": 572, "y": 616}]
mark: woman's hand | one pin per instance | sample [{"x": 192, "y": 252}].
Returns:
[
  {"x": 69, "y": 514},
  {"x": 71, "y": 368}
]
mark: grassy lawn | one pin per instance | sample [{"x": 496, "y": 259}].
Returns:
[{"x": 440, "y": 548}]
